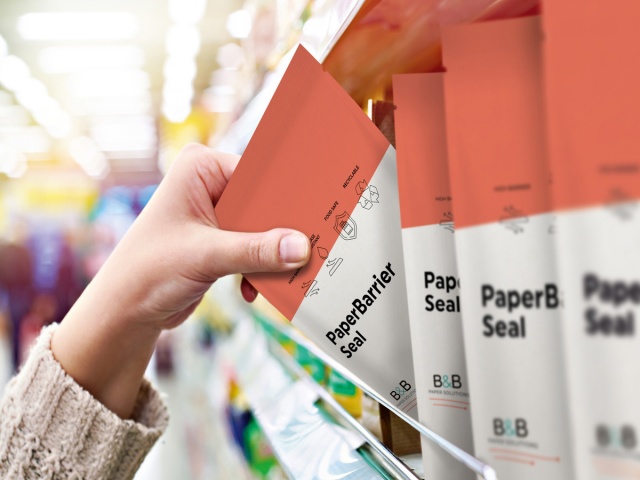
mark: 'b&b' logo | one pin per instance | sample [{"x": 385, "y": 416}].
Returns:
[
  {"x": 442, "y": 381},
  {"x": 510, "y": 428},
  {"x": 610, "y": 436},
  {"x": 399, "y": 391}
]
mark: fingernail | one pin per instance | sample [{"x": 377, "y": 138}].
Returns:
[{"x": 293, "y": 248}]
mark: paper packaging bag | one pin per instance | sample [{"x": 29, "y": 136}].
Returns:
[
  {"x": 504, "y": 240},
  {"x": 316, "y": 163},
  {"x": 430, "y": 266},
  {"x": 593, "y": 104}
]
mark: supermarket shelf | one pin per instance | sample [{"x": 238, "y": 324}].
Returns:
[
  {"x": 310, "y": 433},
  {"x": 485, "y": 471},
  {"x": 373, "y": 446}
]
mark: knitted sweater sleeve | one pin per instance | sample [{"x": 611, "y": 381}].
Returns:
[{"x": 51, "y": 428}]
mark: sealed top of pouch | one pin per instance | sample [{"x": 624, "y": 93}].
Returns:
[{"x": 495, "y": 121}]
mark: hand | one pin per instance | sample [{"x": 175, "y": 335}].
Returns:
[{"x": 158, "y": 274}]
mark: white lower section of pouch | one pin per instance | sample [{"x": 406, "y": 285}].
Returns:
[
  {"x": 511, "y": 310},
  {"x": 599, "y": 258},
  {"x": 361, "y": 321},
  {"x": 437, "y": 344}
]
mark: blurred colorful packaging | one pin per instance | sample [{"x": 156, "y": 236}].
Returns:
[
  {"x": 311, "y": 364},
  {"x": 593, "y": 107},
  {"x": 348, "y": 395},
  {"x": 502, "y": 205},
  {"x": 260, "y": 456},
  {"x": 431, "y": 272}
]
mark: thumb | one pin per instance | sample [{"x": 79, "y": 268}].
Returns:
[{"x": 277, "y": 250}]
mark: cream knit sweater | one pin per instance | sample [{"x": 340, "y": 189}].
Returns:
[{"x": 51, "y": 428}]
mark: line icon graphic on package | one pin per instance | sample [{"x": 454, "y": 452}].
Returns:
[
  {"x": 334, "y": 264},
  {"x": 311, "y": 287},
  {"x": 346, "y": 226},
  {"x": 447, "y": 222},
  {"x": 361, "y": 187},
  {"x": 514, "y": 219},
  {"x": 368, "y": 194},
  {"x": 323, "y": 253},
  {"x": 621, "y": 204}
]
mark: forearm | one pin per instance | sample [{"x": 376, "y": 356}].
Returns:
[{"x": 103, "y": 348}]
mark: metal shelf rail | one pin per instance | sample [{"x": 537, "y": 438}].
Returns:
[
  {"x": 485, "y": 471},
  {"x": 310, "y": 433}
]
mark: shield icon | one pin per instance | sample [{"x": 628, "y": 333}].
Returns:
[{"x": 346, "y": 226}]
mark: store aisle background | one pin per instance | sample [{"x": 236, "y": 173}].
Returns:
[
  {"x": 197, "y": 444},
  {"x": 96, "y": 100}
]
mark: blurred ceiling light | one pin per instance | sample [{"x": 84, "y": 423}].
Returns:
[
  {"x": 230, "y": 55},
  {"x": 56, "y": 121},
  {"x": 187, "y": 11},
  {"x": 178, "y": 92},
  {"x": 26, "y": 139},
  {"x": 132, "y": 155},
  {"x": 224, "y": 76},
  {"x": 180, "y": 68},
  {"x": 87, "y": 154},
  {"x": 77, "y": 25},
  {"x": 13, "y": 72},
  {"x": 183, "y": 40},
  {"x": 176, "y": 112},
  {"x": 12, "y": 162},
  {"x": 223, "y": 90},
  {"x": 109, "y": 83},
  {"x": 218, "y": 103},
  {"x": 79, "y": 58},
  {"x": 4, "y": 48},
  {"x": 122, "y": 105},
  {"x": 133, "y": 133},
  {"x": 13, "y": 115},
  {"x": 6, "y": 98},
  {"x": 19, "y": 168},
  {"x": 239, "y": 24},
  {"x": 146, "y": 120},
  {"x": 32, "y": 94}
]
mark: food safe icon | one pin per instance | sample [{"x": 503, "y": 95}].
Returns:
[
  {"x": 346, "y": 226},
  {"x": 514, "y": 219}
]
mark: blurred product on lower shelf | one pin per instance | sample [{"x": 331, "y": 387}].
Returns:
[
  {"x": 345, "y": 393},
  {"x": 259, "y": 454},
  {"x": 250, "y": 438},
  {"x": 291, "y": 408}
]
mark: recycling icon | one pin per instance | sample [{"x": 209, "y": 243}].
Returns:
[{"x": 368, "y": 194}]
